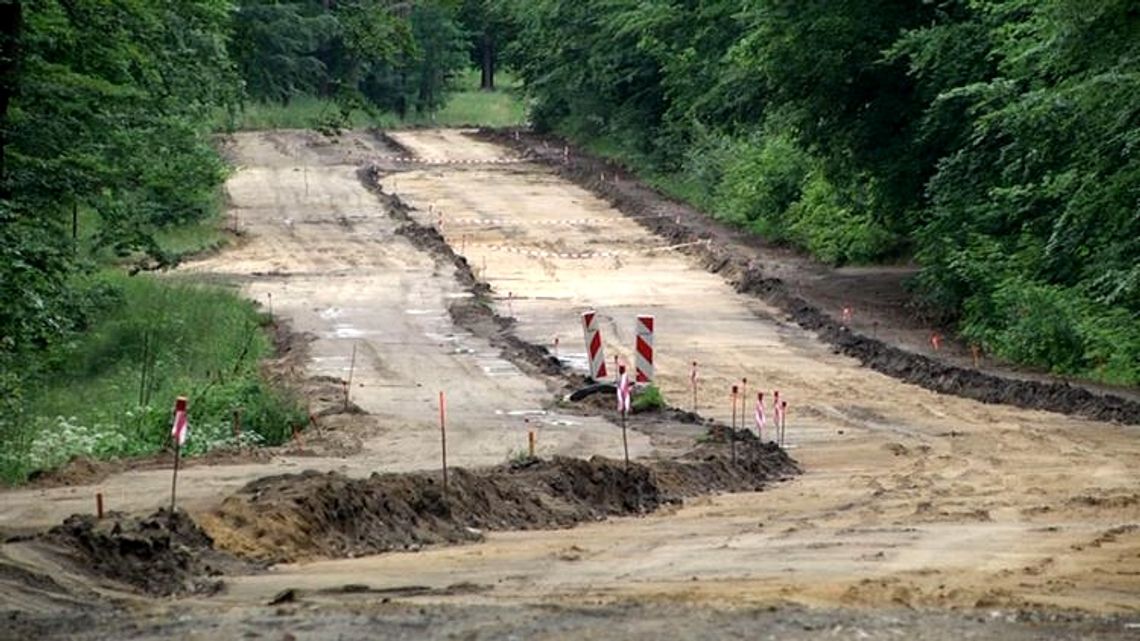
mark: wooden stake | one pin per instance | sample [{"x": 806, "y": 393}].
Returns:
[
  {"x": 237, "y": 422},
  {"x": 179, "y": 408},
  {"x": 530, "y": 442},
  {"x": 99, "y": 505},
  {"x": 443, "y": 438},
  {"x": 693, "y": 382},
  {"x": 783, "y": 420},
  {"x": 624, "y": 440},
  {"x": 743, "y": 402},
  {"x": 732, "y": 434},
  {"x": 351, "y": 369}
]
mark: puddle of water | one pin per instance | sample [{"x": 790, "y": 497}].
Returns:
[
  {"x": 499, "y": 369},
  {"x": 522, "y": 412},
  {"x": 576, "y": 361},
  {"x": 460, "y": 295},
  {"x": 331, "y": 312},
  {"x": 420, "y": 312},
  {"x": 347, "y": 331}
]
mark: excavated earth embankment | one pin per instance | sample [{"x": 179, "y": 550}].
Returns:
[{"x": 312, "y": 515}]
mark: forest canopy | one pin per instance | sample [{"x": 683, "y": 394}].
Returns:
[{"x": 996, "y": 143}]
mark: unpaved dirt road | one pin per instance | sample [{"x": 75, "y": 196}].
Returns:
[{"x": 909, "y": 498}]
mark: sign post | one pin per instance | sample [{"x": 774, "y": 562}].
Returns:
[
  {"x": 178, "y": 433},
  {"x": 623, "y": 407}
]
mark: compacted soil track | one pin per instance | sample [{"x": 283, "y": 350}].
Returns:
[{"x": 908, "y": 498}]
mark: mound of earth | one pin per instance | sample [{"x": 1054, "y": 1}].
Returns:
[
  {"x": 312, "y": 515},
  {"x": 161, "y": 554}
]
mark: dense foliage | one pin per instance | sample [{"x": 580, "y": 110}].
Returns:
[
  {"x": 376, "y": 55},
  {"x": 993, "y": 141},
  {"x": 106, "y": 112}
]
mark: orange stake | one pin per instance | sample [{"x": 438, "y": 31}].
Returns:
[{"x": 443, "y": 438}]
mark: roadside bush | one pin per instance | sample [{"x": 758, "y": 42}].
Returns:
[
  {"x": 836, "y": 225},
  {"x": 767, "y": 184},
  {"x": 108, "y": 392},
  {"x": 763, "y": 177},
  {"x": 1055, "y": 328}
]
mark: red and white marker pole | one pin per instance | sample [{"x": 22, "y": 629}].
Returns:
[
  {"x": 759, "y": 416},
  {"x": 644, "y": 353},
  {"x": 623, "y": 401},
  {"x": 595, "y": 353},
  {"x": 179, "y": 431}
]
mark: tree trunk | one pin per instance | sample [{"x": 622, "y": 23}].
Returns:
[
  {"x": 11, "y": 19},
  {"x": 487, "y": 82}
]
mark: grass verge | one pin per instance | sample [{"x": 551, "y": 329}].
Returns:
[
  {"x": 109, "y": 392},
  {"x": 466, "y": 106}
]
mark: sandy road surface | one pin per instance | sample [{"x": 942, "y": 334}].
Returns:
[
  {"x": 909, "y": 498},
  {"x": 322, "y": 253}
]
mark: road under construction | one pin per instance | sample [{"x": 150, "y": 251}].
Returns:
[{"x": 430, "y": 261}]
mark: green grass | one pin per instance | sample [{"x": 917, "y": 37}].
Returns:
[
  {"x": 91, "y": 399},
  {"x": 466, "y": 106},
  {"x": 198, "y": 237},
  {"x": 648, "y": 400}
]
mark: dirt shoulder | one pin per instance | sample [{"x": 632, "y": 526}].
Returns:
[
  {"x": 883, "y": 332},
  {"x": 349, "y": 615}
]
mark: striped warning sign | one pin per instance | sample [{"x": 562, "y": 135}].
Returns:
[
  {"x": 594, "y": 350},
  {"x": 644, "y": 359}
]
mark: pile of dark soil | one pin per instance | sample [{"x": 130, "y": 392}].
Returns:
[
  {"x": 647, "y": 208},
  {"x": 162, "y": 554},
  {"x": 313, "y": 515}
]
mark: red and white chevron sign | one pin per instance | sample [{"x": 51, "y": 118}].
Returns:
[
  {"x": 594, "y": 352},
  {"x": 644, "y": 358}
]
